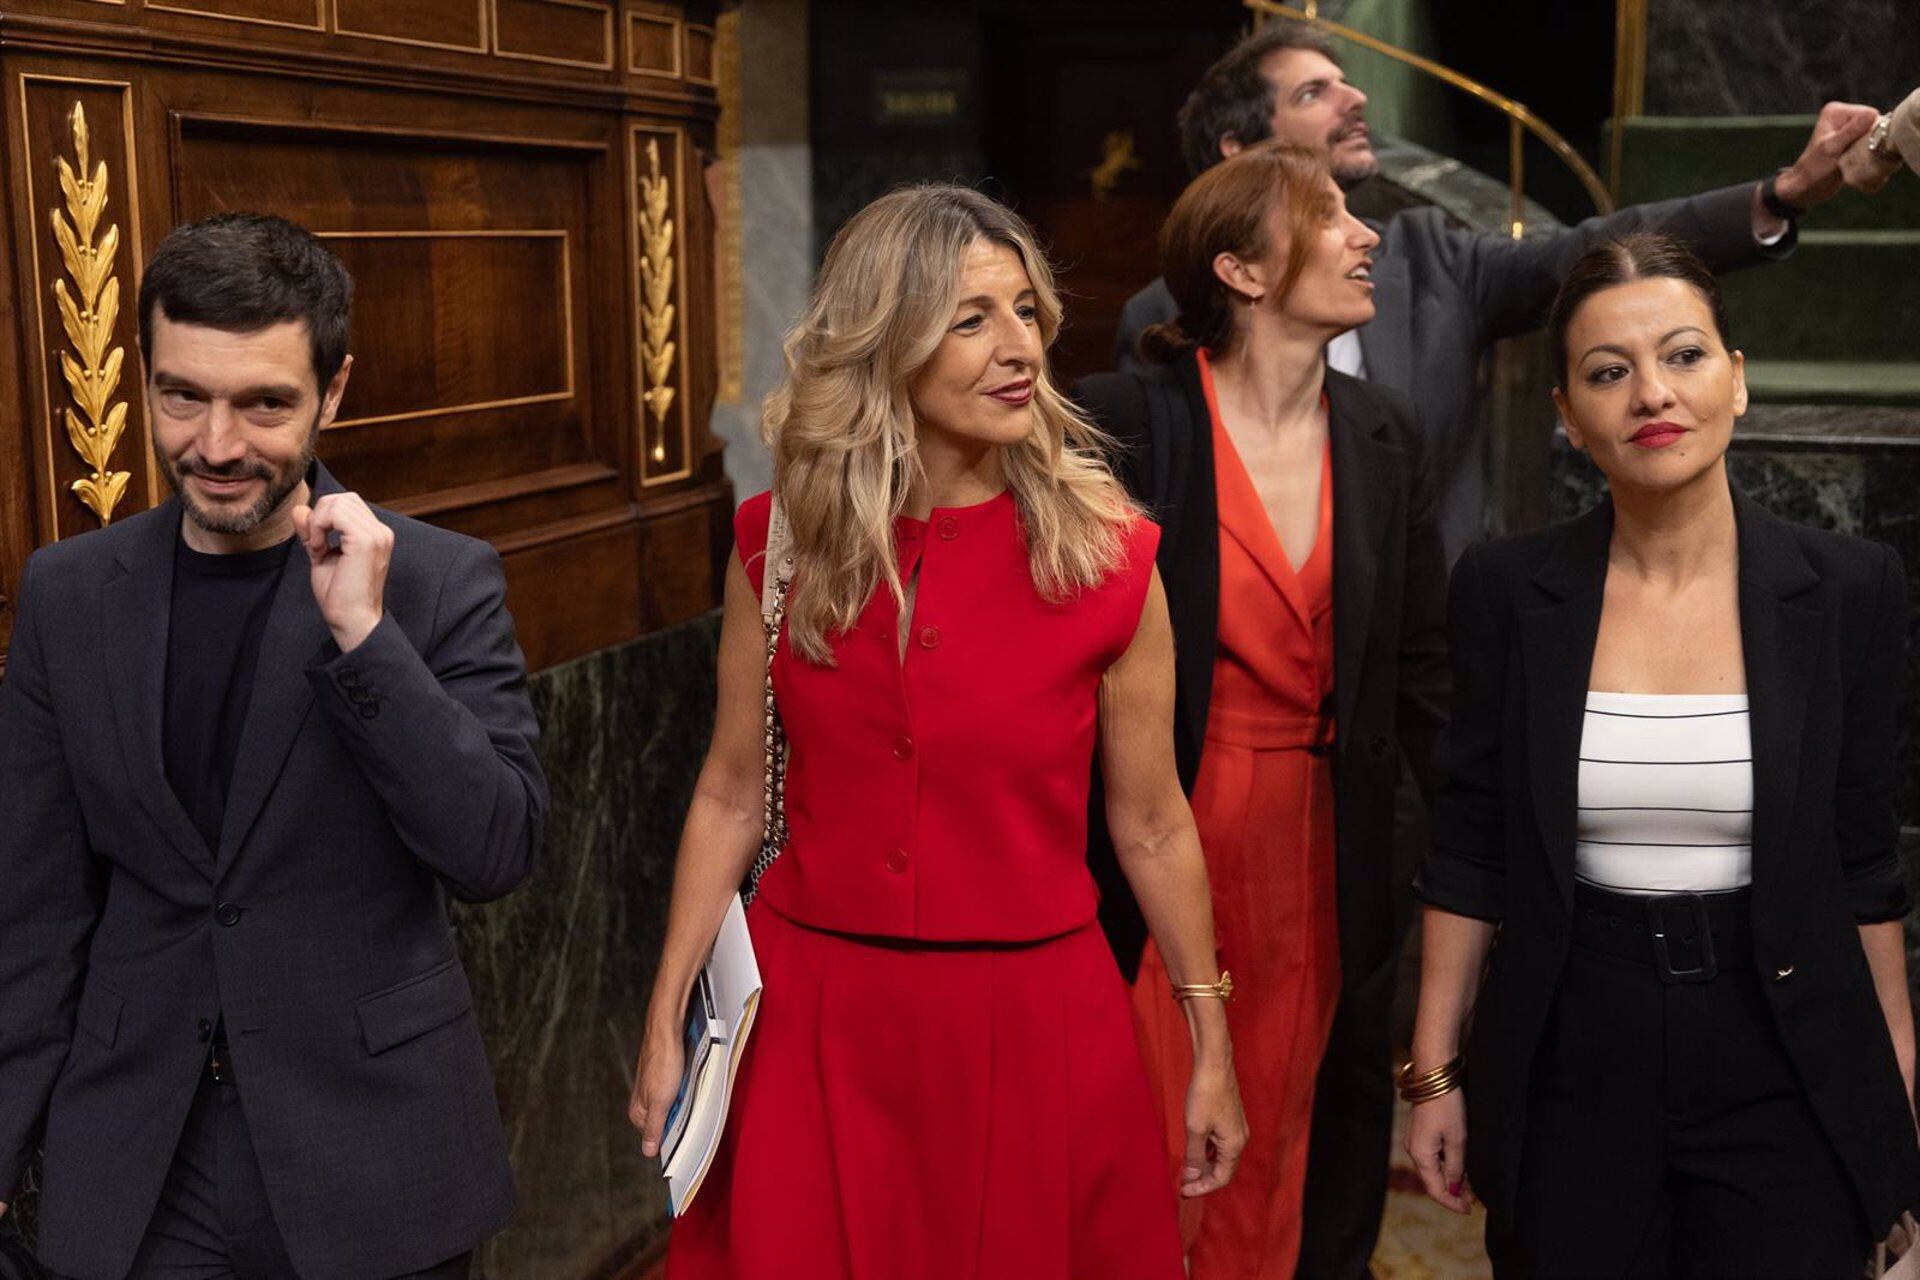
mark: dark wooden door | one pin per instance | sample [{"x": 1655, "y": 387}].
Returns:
[{"x": 1078, "y": 105}]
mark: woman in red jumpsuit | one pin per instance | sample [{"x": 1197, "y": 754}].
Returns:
[{"x": 943, "y": 1080}]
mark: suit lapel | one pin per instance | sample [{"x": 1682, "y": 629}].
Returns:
[
  {"x": 282, "y": 696},
  {"x": 136, "y": 614},
  {"x": 1386, "y": 341},
  {"x": 1190, "y": 559},
  {"x": 1557, "y": 659},
  {"x": 1782, "y": 642},
  {"x": 1367, "y": 497}
]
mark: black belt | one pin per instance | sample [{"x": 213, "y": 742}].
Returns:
[{"x": 1687, "y": 937}]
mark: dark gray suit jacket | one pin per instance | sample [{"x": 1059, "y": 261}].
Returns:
[
  {"x": 368, "y": 787},
  {"x": 1443, "y": 294}
]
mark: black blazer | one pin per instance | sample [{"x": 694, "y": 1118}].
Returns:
[
  {"x": 1823, "y": 619},
  {"x": 1388, "y": 606},
  {"x": 369, "y": 788}
]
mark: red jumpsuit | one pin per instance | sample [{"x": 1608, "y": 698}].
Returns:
[{"x": 1263, "y": 801}]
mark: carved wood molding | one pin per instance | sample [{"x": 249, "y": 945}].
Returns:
[{"x": 92, "y": 367}]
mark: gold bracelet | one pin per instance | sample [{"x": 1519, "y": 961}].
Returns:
[
  {"x": 1427, "y": 1086},
  {"x": 1221, "y": 990}
]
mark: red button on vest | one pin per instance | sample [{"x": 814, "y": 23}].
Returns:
[
  {"x": 896, "y": 860},
  {"x": 903, "y": 748},
  {"x": 929, "y": 637},
  {"x": 949, "y": 528}
]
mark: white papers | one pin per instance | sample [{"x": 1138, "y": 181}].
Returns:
[{"x": 719, "y": 1019}]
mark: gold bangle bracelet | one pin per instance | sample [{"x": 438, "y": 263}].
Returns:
[
  {"x": 1221, "y": 990},
  {"x": 1428, "y": 1085}
]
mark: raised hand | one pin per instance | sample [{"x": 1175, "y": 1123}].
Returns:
[
  {"x": 351, "y": 551},
  {"x": 1815, "y": 177}
]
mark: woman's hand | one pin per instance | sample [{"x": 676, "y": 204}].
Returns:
[
  {"x": 1437, "y": 1143},
  {"x": 1216, "y": 1129},
  {"x": 656, "y": 1080}
]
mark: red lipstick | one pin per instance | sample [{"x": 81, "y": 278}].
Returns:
[
  {"x": 1013, "y": 393},
  {"x": 1657, "y": 435}
]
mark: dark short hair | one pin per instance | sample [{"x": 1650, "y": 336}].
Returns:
[
  {"x": 244, "y": 271},
  {"x": 1235, "y": 98},
  {"x": 1639, "y": 255}
]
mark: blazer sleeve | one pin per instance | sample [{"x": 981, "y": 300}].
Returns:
[
  {"x": 49, "y": 893},
  {"x": 446, "y": 736},
  {"x": 1466, "y": 869},
  {"x": 1117, "y": 404},
  {"x": 1866, "y": 804},
  {"x": 1423, "y": 675},
  {"x": 1512, "y": 282}
]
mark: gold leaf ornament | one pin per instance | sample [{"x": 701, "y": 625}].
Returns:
[
  {"x": 88, "y": 312},
  {"x": 656, "y": 288}
]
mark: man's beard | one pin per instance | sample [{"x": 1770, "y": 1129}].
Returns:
[
  {"x": 279, "y": 485},
  {"x": 1351, "y": 172}
]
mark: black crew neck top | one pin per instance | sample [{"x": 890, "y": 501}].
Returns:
[{"x": 220, "y": 606}]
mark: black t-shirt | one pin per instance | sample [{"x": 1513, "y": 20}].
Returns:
[{"x": 220, "y": 606}]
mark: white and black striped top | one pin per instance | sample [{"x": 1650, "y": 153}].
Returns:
[{"x": 1666, "y": 793}]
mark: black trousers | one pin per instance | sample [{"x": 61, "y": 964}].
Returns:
[
  {"x": 213, "y": 1221},
  {"x": 1667, "y": 1135}
]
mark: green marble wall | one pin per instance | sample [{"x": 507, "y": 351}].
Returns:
[{"x": 561, "y": 969}]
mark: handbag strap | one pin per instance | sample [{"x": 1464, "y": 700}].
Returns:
[{"x": 776, "y": 579}]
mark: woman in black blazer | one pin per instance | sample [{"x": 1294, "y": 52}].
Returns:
[
  {"x": 1668, "y": 797},
  {"x": 1289, "y": 736}
]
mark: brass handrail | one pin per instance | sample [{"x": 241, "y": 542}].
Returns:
[{"x": 1520, "y": 121}]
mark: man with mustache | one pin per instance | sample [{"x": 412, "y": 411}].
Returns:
[
  {"x": 1442, "y": 295},
  {"x": 251, "y": 741}
]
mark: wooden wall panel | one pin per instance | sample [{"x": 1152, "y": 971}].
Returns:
[
  {"x": 462, "y": 322},
  {"x": 527, "y": 225},
  {"x": 309, "y": 15},
  {"x": 473, "y": 349},
  {"x": 568, "y": 33},
  {"x": 699, "y": 63},
  {"x": 437, "y": 24},
  {"x": 653, "y": 45}
]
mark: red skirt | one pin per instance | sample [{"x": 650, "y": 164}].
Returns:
[{"x": 935, "y": 1113}]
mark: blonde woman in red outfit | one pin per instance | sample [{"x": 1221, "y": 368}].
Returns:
[
  {"x": 942, "y": 1082},
  {"x": 1306, "y": 586}
]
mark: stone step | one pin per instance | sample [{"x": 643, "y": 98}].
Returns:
[
  {"x": 1834, "y": 382},
  {"x": 1841, "y": 295},
  {"x": 1665, "y": 156}
]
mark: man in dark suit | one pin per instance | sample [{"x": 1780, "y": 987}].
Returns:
[
  {"x": 250, "y": 742},
  {"x": 1443, "y": 294}
]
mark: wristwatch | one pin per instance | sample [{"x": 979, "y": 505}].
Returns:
[
  {"x": 1878, "y": 145},
  {"x": 1771, "y": 201}
]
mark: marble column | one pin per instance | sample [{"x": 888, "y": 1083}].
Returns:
[{"x": 776, "y": 217}]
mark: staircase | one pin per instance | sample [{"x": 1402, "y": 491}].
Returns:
[{"x": 1838, "y": 322}]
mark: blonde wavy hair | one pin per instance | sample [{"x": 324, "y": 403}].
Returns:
[{"x": 841, "y": 428}]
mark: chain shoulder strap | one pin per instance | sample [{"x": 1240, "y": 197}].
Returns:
[{"x": 776, "y": 581}]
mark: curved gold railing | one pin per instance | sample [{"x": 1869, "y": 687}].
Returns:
[{"x": 1520, "y": 121}]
